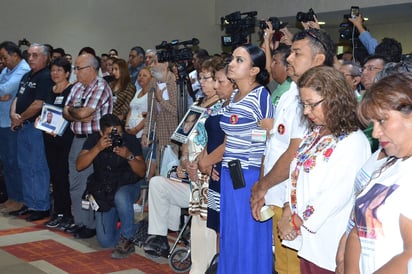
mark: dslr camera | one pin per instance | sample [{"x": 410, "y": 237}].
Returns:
[
  {"x": 277, "y": 24},
  {"x": 306, "y": 16},
  {"x": 117, "y": 140}
]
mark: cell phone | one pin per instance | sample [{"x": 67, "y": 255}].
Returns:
[
  {"x": 236, "y": 174},
  {"x": 354, "y": 12}
]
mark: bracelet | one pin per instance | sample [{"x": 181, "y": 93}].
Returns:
[
  {"x": 295, "y": 227},
  {"x": 184, "y": 158}
]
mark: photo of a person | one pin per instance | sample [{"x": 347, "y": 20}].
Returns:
[
  {"x": 49, "y": 117},
  {"x": 367, "y": 207},
  {"x": 188, "y": 123}
]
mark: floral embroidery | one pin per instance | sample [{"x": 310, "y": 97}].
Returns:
[
  {"x": 308, "y": 212},
  {"x": 313, "y": 146}
]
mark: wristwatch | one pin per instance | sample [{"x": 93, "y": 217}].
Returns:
[{"x": 130, "y": 158}]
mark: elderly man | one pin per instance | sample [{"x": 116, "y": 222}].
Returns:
[
  {"x": 31, "y": 156},
  {"x": 15, "y": 68},
  {"x": 352, "y": 72},
  {"x": 136, "y": 63},
  {"x": 89, "y": 100}
]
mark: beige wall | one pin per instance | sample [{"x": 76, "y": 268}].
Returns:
[{"x": 121, "y": 24}]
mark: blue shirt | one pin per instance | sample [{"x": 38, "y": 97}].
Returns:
[
  {"x": 9, "y": 84},
  {"x": 368, "y": 41}
]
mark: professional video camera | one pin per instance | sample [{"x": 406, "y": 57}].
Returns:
[
  {"x": 238, "y": 27},
  {"x": 306, "y": 16},
  {"x": 176, "y": 51},
  {"x": 347, "y": 31},
  {"x": 277, "y": 24}
]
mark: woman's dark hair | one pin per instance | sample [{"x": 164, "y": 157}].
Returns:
[
  {"x": 63, "y": 63},
  {"x": 339, "y": 100},
  {"x": 393, "y": 92},
  {"x": 258, "y": 58},
  {"x": 124, "y": 78}
]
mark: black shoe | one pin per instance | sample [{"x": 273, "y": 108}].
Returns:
[
  {"x": 55, "y": 221},
  {"x": 85, "y": 233},
  {"x": 24, "y": 210},
  {"x": 73, "y": 228},
  {"x": 38, "y": 215},
  {"x": 65, "y": 223},
  {"x": 157, "y": 246}
]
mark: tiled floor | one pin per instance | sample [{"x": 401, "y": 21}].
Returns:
[{"x": 29, "y": 247}]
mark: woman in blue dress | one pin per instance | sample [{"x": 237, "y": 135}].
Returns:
[{"x": 245, "y": 244}]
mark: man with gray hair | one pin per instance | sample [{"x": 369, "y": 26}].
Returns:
[
  {"x": 89, "y": 99},
  {"x": 31, "y": 155},
  {"x": 151, "y": 58},
  {"x": 352, "y": 72}
]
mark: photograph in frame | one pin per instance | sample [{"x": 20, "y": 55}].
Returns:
[
  {"x": 188, "y": 124},
  {"x": 51, "y": 120}
]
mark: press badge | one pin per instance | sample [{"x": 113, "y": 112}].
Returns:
[
  {"x": 259, "y": 135},
  {"x": 93, "y": 202},
  {"x": 58, "y": 100}
]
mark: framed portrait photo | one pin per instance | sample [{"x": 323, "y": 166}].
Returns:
[
  {"x": 51, "y": 120},
  {"x": 188, "y": 124}
]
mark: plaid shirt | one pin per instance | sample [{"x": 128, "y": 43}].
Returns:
[{"x": 98, "y": 96}]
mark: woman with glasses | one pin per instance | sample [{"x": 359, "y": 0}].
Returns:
[{"x": 320, "y": 189}]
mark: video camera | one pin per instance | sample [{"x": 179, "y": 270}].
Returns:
[
  {"x": 173, "y": 52},
  {"x": 306, "y": 16},
  {"x": 238, "y": 27},
  {"x": 277, "y": 24},
  {"x": 347, "y": 30}
]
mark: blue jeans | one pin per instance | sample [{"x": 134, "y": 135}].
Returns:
[
  {"x": 31, "y": 158},
  {"x": 106, "y": 222},
  {"x": 11, "y": 172}
]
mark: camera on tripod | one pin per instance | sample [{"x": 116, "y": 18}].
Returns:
[
  {"x": 173, "y": 52},
  {"x": 277, "y": 24},
  {"x": 238, "y": 27},
  {"x": 306, "y": 16}
]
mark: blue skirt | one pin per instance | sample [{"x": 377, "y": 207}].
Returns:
[{"x": 245, "y": 244}]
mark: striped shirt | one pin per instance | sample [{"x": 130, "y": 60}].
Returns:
[
  {"x": 238, "y": 121},
  {"x": 98, "y": 96}
]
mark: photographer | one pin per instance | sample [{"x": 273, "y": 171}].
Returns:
[{"x": 118, "y": 164}]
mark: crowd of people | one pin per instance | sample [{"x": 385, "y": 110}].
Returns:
[{"x": 307, "y": 176}]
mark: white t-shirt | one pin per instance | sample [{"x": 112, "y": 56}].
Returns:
[
  {"x": 324, "y": 192},
  {"x": 287, "y": 126},
  {"x": 137, "y": 107},
  {"x": 377, "y": 212}
]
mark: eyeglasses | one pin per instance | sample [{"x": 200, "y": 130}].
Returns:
[
  {"x": 80, "y": 68},
  {"x": 311, "y": 34},
  {"x": 205, "y": 78},
  {"x": 371, "y": 68},
  {"x": 311, "y": 106}
]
